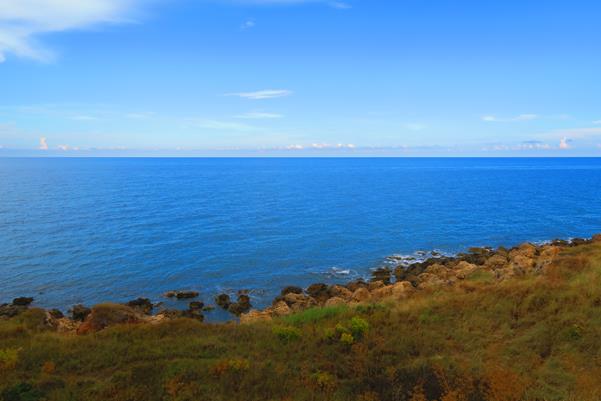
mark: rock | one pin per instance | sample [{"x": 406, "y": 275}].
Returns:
[
  {"x": 196, "y": 305},
  {"x": 361, "y": 295},
  {"x": 9, "y": 310},
  {"x": 22, "y": 301},
  {"x": 464, "y": 269},
  {"x": 298, "y": 302},
  {"x": 374, "y": 285},
  {"x": 578, "y": 241},
  {"x": 280, "y": 309},
  {"x": 186, "y": 294},
  {"x": 291, "y": 290},
  {"x": 141, "y": 304},
  {"x": 596, "y": 239},
  {"x": 170, "y": 294},
  {"x": 398, "y": 291},
  {"x": 255, "y": 316},
  {"x": 428, "y": 280},
  {"x": 223, "y": 300},
  {"x": 334, "y": 301},
  {"x": 169, "y": 314},
  {"x": 526, "y": 250},
  {"x": 319, "y": 292},
  {"x": 439, "y": 270},
  {"x": 105, "y": 315},
  {"x": 497, "y": 261},
  {"x": 522, "y": 264},
  {"x": 56, "y": 314},
  {"x": 340, "y": 292},
  {"x": 548, "y": 253},
  {"x": 193, "y": 314},
  {"x": 79, "y": 312},
  {"x": 355, "y": 285},
  {"x": 382, "y": 274},
  {"x": 242, "y": 306},
  {"x": 208, "y": 308}
]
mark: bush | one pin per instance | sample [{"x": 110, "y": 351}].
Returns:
[
  {"x": 8, "y": 358},
  {"x": 286, "y": 333},
  {"x": 21, "y": 392},
  {"x": 347, "y": 339},
  {"x": 359, "y": 327}
]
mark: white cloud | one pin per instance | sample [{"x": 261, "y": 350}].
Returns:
[
  {"x": 340, "y": 5},
  {"x": 259, "y": 116},
  {"x": 43, "y": 144},
  {"x": 23, "y": 21},
  {"x": 262, "y": 94},
  {"x": 66, "y": 148},
  {"x": 521, "y": 117},
  {"x": 248, "y": 24},
  {"x": 597, "y": 122},
  {"x": 321, "y": 146},
  {"x": 564, "y": 143}
]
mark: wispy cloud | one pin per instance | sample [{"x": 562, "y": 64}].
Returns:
[
  {"x": 248, "y": 24},
  {"x": 597, "y": 122},
  {"x": 43, "y": 144},
  {"x": 262, "y": 94},
  {"x": 340, "y": 5},
  {"x": 521, "y": 117},
  {"x": 320, "y": 146},
  {"x": 219, "y": 125},
  {"x": 259, "y": 116},
  {"x": 23, "y": 21}
]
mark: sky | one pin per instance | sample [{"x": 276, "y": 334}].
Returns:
[{"x": 297, "y": 78}]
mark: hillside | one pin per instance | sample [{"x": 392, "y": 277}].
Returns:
[{"x": 528, "y": 336}]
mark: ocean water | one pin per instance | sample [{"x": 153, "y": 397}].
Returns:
[{"x": 93, "y": 230}]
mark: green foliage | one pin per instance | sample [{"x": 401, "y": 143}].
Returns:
[
  {"x": 358, "y": 327},
  {"x": 8, "y": 358},
  {"x": 286, "y": 333},
  {"x": 21, "y": 392},
  {"x": 314, "y": 315},
  {"x": 347, "y": 339}
]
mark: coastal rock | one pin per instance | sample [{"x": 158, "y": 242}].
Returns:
[
  {"x": 355, "y": 285},
  {"x": 22, "y": 301},
  {"x": 547, "y": 254},
  {"x": 196, "y": 305},
  {"x": 497, "y": 261},
  {"x": 186, "y": 294},
  {"x": 596, "y": 239},
  {"x": 242, "y": 306},
  {"x": 299, "y": 302},
  {"x": 193, "y": 314},
  {"x": 439, "y": 270},
  {"x": 399, "y": 290},
  {"x": 79, "y": 312},
  {"x": 340, "y": 292},
  {"x": 464, "y": 269},
  {"x": 280, "y": 309},
  {"x": 105, "y": 315},
  {"x": 319, "y": 292},
  {"x": 429, "y": 281},
  {"x": 382, "y": 274},
  {"x": 335, "y": 301},
  {"x": 361, "y": 295},
  {"x": 374, "y": 285},
  {"x": 56, "y": 314},
  {"x": 291, "y": 290},
  {"x": 223, "y": 300},
  {"x": 255, "y": 316},
  {"x": 527, "y": 250},
  {"x": 10, "y": 310},
  {"x": 141, "y": 304}
]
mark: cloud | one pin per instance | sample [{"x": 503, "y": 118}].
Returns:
[
  {"x": 320, "y": 146},
  {"x": 415, "y": 126},
  {"x": 259, "y": 116},
  {"x": 43, "y": 144},
  {"x": 220, "y": 125},
  {"x": 248, "y": 24},
  {"x": 23, "y": 21},
  {"x": 564, "y": 143},
  {"x": 597, "y": 122},
  {"x": 66, "y": 148},
  {"x": 262, "y": 94},
  {"x": 340, "y": 5},
  {"x": 521, "y": 117}
]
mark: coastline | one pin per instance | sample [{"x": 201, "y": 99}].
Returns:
[{"x": 400, "y": 278}]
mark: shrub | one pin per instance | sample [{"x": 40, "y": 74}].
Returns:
[
  {"x": 313, "y": 315},
  {"x": 8, "y": 358},
  {"x": 359, "y": 327},
  {"x": 347, "y": 339},
  {"x": 21, "y": 392},
  {"x": 286, "y": 333}
]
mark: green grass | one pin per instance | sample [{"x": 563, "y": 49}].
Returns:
[{"x": 532, "y": 338}]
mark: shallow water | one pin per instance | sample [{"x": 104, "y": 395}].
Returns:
[{"x": 92, "y": 230}]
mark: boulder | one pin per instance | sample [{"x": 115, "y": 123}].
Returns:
[
  {"x": 439, "y": 270},
  {"x": 382, "y": 274},
  {"x": 193, "y": 314},
  {"x": 242, "y": 306},
  {"x": 319, "y": 292},
  {"x": 374, "y": 285},
  {"x": 196, "y": 305},
  {"x": 56, "y": 314},
  {"x": 79, "y": 312},
  {"x": 22, "y": 301},
  {"x": 299, "y": 302},
  {"x": 355, "y": 285},
  {"x": 361, "y": 295},
  {"x": 340, "y": 292},
  {"x": 334, "y": 301},
  {"x": 105, "y": 315},
  {"x": 464, "y": 269},
  {"x": 9, "y": 310},
  {"x": 223, "y": 300},
  {"x": 280, "y": 309},
  {"x": 527, "y": 250},
  {"x": 143, "y": 305},
  {"x": 548, "y": 253},
  {"x": 428, "y": 280},
  {"x": 497, "y": 261},
  {"x": 186, "y": 294},
  {"x": 255, "y": 316},
  {"x": 291, "y": 290}
]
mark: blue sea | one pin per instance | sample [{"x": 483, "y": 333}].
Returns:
[{"x": 112, "y": 229}]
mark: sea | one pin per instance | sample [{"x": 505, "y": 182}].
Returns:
[{"x": 91, "y": 230}]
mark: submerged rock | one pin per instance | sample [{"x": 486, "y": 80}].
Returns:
[
  {"x": 223, "y": 300},
  {"x": 242, "y": 306},
  {"x": 141, "y": 304}
]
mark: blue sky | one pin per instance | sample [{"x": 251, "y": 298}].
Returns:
[{"x": 285, "y": 77}]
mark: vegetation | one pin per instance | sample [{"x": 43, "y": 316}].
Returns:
[{"x": 526, "y": 338}]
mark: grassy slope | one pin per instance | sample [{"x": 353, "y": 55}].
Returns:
[{"x": 533, "y": 338}]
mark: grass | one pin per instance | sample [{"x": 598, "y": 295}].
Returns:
[{"x": 532, "y": 338}]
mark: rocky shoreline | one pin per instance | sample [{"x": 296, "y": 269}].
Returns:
[{"x": 400, "y": 279}]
